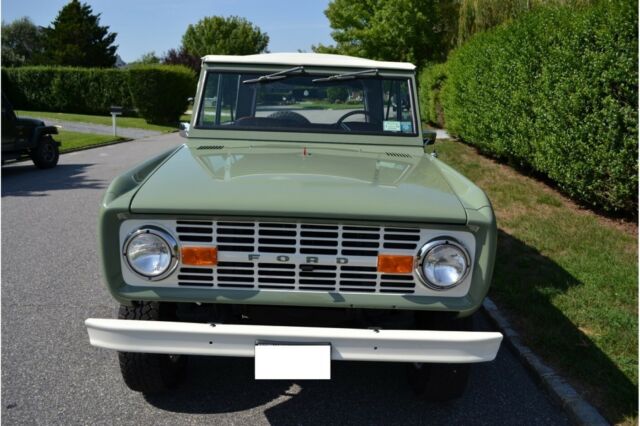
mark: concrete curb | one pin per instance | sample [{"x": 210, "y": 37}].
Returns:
[{"x": 580, "y": 411}]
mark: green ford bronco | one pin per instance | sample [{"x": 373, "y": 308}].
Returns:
[{"x": 303, "y": 221}]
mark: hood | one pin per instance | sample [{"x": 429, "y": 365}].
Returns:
[{"x": 292, "y": 181}]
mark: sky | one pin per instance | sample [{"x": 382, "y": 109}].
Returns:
[{"x": 158, "y": 25}]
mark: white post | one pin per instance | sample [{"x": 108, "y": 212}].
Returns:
[{"x": 113, "y": 117}]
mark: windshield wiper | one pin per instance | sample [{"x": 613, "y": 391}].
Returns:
[
  {"x": 275, "y": 76},
  {"x": 348, "y": 75}
]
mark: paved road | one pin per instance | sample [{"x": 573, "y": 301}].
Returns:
[
  {"x": 51, "y": 375},
  {"x": 74, "y": 126}
]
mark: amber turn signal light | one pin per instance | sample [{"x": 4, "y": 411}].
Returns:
[
  {"x": 199, "y": 256},
  {"x": 395, "y": 264}
]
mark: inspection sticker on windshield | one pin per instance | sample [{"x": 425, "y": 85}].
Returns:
[
  {"x": 391, "y": 126},
  {"x": 406, "y": 126}
]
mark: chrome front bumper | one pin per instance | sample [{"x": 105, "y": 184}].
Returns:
[{"x": 347, "y": 344}]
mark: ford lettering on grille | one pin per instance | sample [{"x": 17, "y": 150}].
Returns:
[
  {"x": 298, "y": 256},
  {"x": 305, "y": 259}
]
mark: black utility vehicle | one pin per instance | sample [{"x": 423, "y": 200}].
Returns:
[{"x": 27, "y": 138}]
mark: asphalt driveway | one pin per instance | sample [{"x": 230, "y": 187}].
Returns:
[{"x": 51, "y": 375}]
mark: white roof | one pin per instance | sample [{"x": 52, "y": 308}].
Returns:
[{"x": 308, "y": 59}]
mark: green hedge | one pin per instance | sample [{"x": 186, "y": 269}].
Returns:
[
  {"x": 431, "y": 81},
  {"x": 94, "y": 90},
  {"x": 160, "y": 92},
  {"x": 555, "y": 91},
  {"x": 65, "y": 89}
]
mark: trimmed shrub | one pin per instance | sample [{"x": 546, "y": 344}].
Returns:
[
  {"x": 555, "y": 91},
  {"x": 160, "y": 92},
  {"x": 156, "y": 92},
  {"x": 66, "y": 89},
  {"x": 431, "y": 80}
]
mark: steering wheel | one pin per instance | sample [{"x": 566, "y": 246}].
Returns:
[{"x": 341, "y": 123}]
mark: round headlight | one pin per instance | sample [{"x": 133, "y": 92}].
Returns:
[
  {"x": 151, "y": 252},
  {"x": 443, "y": 264}
]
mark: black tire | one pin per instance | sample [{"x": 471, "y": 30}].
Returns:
[
  {"x": 46, "y": 154},
  {"x": 442, "y": 382},
  {"x": 439, "y": 382},
  {"x": 149, "y": 373}
]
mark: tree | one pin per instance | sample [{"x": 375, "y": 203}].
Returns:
[
  {"x": 479, "y": 15},
  {"x": 21, "y": 42},
  {"x": 148, "y": 58},
  {"x": 182, "y": 57},
  {"x": 401, "y": 30},
  {"x": 337, "y": 94},
  {"x": 75, "y": 38},
  {"x": 224, "y": 36}
]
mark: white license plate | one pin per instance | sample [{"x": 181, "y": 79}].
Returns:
[{"x": 282, "y": 361}]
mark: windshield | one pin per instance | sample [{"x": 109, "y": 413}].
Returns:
[{"x": 344, "y": 103}]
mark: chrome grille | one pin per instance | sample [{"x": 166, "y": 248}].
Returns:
[{"x": 294, "y": 239}]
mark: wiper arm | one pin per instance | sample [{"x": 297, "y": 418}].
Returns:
[
  {"x": 348, "y": 75},
  {"x": 275, "y": 76}
]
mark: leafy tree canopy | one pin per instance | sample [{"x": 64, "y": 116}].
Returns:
[
  {"x": 76, "y": 38},
  {"x": 21, "y": 42},
  {"x": 217, "y": 35},
  {"x": 149, "y": 58},
  {"x": 182, "y": 57},
  {"x": 401, "y": 30}
]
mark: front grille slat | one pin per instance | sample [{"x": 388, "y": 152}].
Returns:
[
  {"x": 244, "y": 248},
  {"x": 193, "y": 230},
  {"x": 235, "y": 271},
  {"x": 277, "y": 232},
  {"x": 318, "y": 246},
  {"x": 195, "y": 238},
  {"x": 315, "y": 250},
  {"x": 400, "y": 246},
  {"x": 185, "y": 277},
  {"x": 235, "y": 279},
  {"x": 236, "y": 240}
]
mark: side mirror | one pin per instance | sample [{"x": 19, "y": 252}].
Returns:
[
  {"x": 184, "y": 129},
  {"x": 429, "y": 137}
]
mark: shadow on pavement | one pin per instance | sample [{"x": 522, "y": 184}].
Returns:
[
  {"x": 218, "y": 385},
  {"x": 358, "y": 392},
  {"x": 26, "y": 180},
  {"x": 499, "y": 392}
]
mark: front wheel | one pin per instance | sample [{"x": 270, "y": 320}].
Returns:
[
  {"x": 149, "y": 373},
  {"x": 45, "y": 155},
  {"x": 441, "y": 382}
]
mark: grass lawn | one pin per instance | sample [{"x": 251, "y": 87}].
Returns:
[
  {"x": 74, "y": 140},
  {"x": 568, "y": 280},
  {"x": 137, "y": 123}
]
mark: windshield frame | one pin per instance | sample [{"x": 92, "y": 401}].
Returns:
[{"x": 314, "y": 135}]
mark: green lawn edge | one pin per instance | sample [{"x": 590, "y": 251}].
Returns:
[
  {"x": 123, "y": 122},
  {"x": 77, "y": 141}
]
